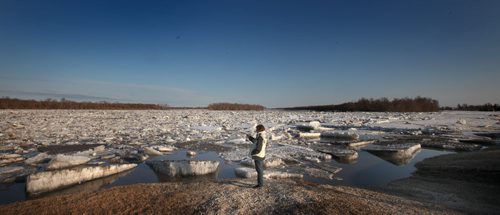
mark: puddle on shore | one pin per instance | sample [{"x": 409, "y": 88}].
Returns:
[
  {"x": 144, "y": 174},
  {"x": 12, "y": 192},
  {"x": 368, "y": 171},
  {"x": 372, "y": 171}
]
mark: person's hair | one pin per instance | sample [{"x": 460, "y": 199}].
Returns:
[{"x": 260, "y": 128}]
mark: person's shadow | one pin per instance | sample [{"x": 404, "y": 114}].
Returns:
[{"x": 238, "y": 183}]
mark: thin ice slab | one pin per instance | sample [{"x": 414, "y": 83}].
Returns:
[{"x": 245, "y": 172}]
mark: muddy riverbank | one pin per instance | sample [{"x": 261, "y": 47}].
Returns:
[
  {"x": 466, "y": 182},
  {"x": 227, "y": 197}
]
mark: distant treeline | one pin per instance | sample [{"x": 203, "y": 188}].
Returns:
[
  {"x": 417, "y": 104},
  {"x": 186, "y": 108},
  {"x": 466, "y": 107},
  {"x": 234, "y": 106},
  {"x": 12, "y": 103}
]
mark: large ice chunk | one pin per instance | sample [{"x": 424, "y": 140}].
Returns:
[
  {"x": 183, "y": 167},
  {"x": 51, "y": 180},
  {"x": 398, "y": 154}
]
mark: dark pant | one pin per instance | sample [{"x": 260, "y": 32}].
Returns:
[{"x": 259, "y": 166}]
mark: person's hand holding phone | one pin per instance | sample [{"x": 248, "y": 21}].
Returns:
[{"x": 249, "y": 137}]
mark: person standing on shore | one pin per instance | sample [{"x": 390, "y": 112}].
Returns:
[{"x": 258, "y": 153}]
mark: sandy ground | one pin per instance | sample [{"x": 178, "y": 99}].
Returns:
[{"x": 229, "y": 197}]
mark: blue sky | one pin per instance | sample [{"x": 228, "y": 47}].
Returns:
[{"x": 275, "y": 53}]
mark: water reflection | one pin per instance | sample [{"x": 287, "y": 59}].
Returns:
[
  {"x": 345, "y": 160},
  {"x": 398, "y": 159},
  {"x": 373, "y": 171},
  {"x": 144, "y": 174},
  {"x": 369, "y": 170},
  {"x": 141, "y": 174},
  {"x": 12, "y": 192}
]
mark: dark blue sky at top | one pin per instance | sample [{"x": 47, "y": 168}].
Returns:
[{"x": 275, "y": 53}]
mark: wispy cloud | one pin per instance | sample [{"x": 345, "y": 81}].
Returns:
[
  {"x": 42, "y": 96},
  {"x": 100, "y": 90},
  {"x": 148, "y": 93}
]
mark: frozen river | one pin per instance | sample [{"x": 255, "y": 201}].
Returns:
[{"x": 103, "y": 138}]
